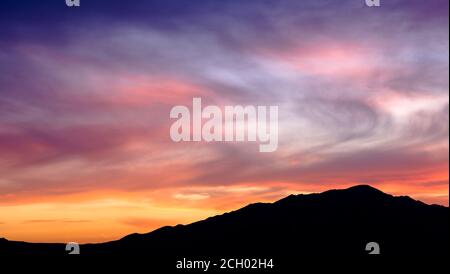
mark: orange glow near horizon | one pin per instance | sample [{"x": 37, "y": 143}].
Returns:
[{"x": 100, "y": 217}]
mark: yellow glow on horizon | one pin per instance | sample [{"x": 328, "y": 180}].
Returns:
[{"x": 100, "y": 216}]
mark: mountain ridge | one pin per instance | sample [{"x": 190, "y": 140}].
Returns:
[{"x": 313, "y": 223}]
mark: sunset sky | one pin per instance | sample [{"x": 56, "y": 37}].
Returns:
[{"x": 85, "y": 96}]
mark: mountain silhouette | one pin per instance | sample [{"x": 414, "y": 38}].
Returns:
[{"x": 332, "y": 223}]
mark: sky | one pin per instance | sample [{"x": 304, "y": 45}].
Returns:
[{"x": 86, "y": 92}]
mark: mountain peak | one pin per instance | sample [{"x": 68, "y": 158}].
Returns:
[
  {"x": 358, "y": 192},
  {"x": 365, "y": 190}
]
